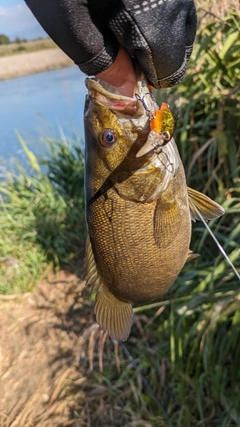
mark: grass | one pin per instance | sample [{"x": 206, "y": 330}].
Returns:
[
  {"x": 187, "y": 345},
  {"x": 42, "y": 216}
]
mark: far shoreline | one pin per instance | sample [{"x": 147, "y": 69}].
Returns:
[{"x": 27, "y": 63}]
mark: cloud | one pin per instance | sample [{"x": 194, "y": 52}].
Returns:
[
  {"x": 18, "y": 21},
  {"x": 2, "y": 11}
]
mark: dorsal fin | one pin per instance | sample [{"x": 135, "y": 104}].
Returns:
[
  {"x": 206, "y": 206},
  {"x": 113, "y": 315}
]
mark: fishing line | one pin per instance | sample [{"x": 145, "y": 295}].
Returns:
[
  {"x": 218, "y": 244},
  {"x": 146, "y": 383}
]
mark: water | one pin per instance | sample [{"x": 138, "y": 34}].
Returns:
[{"x": 47, "y": 104}]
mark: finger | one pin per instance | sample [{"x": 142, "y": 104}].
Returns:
[{"x": 121, "y": 74}]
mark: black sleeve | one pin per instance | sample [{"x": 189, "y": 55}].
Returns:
[{"x": 159, "y": 33}]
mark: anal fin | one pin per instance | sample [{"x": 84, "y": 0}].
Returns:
[
  {"x": 113, "y": 315},
  {"x": 199, "y": 203}
]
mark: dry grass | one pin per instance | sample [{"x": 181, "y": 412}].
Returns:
[
  {"x": 38, "y": 355},
  {"x": 47, "y": 361},
  {"x": 28, "y": 46},
  {"x": 208, "y": 10},
  {"x": 32, "y": 62},
  {"x": 20, "y": 59}
]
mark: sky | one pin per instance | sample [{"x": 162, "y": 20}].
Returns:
[{"x": 16, "y": 20}]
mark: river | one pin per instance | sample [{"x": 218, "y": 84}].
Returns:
[{"x": 44, "y": 105}]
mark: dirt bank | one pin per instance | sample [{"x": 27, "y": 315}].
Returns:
[
  {"x": 32, "y": 62},
  {"x": 48, "y": 357}
]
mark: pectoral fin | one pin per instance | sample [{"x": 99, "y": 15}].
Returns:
[
  {"x": 113, "y": 315},
  {"x": 201, "y": 205},
  {"x": 167, "y": 220}
]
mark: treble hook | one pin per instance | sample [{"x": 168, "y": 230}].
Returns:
[{"x": 149, "y": 113}]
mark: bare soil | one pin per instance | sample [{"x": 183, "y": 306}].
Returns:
[{"x": 49, "y": 360}]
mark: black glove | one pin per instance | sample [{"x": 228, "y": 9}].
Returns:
[{"x": 159, "y": 33}]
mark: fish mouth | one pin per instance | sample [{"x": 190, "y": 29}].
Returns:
[
  {"x": 107, "y": 95},
  {"x": 136, "y": 106}
]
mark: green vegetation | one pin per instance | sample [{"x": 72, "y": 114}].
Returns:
[
  {"x": 191, "y": 352},
  {"x": 188, "y": 344},
  {"x": 42, "y": 221},
  {"x": 4, "y": 39}
]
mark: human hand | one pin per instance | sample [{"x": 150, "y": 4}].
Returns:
[
  {"x": 158, "y": 33},
  {"x": 121, "y": 74}
]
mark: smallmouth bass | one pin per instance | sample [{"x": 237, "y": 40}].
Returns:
[{"x": 138, "y": 206}]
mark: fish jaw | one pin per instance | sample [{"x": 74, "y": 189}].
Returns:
[
  {"x": 108, "y": 96},
  {"x": 142, "y": 106}
]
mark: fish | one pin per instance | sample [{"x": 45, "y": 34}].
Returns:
[{"x": 139, "y": 210}]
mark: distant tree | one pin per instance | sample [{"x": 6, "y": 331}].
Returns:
[
  {"x": 4, "y": 39},
  {"x": 17, "y": 40}
]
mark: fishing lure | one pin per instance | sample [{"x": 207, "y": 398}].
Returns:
[{"x": 162, "y": 121}]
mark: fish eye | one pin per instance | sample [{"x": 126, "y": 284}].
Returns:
[
  {"x": 166, "y": 135},
  {"x": 108, "y": 138}
]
